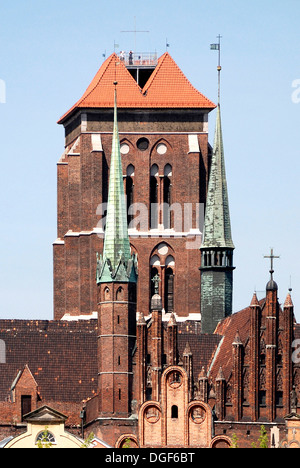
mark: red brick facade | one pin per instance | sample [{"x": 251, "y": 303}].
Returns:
[
  {"x": 82, "y": 189},
  {"x": 139, "y": 370}
]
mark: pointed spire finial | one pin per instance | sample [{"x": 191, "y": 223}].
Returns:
[
  {"x": 288, "y": 302},
  {"x": 117, "y": 261},
  {"x": 254, "y": 302}
]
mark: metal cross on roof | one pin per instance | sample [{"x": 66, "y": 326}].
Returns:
[{"x": 272, "y": 257}]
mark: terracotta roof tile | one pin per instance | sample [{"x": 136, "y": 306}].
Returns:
[
  {"x": 57, "y": 353},
  {"x": 166, "y": 88},
  {"x": 169, "y": 87},
  {"x": 203, "y": 348},
  {"x": 229, "y": 328}
]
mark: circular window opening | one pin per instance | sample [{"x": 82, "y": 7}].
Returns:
[
  {"x": 161, "y": 148},
  {"x": 143, "y": 144},
  {"x": 125, "y": 148}
]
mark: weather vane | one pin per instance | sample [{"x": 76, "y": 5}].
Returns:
[{"x": 217, "y": 47}]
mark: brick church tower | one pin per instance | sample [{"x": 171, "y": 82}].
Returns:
[
  {"x": 116, "y": 280},
  {"x": 149, "y": 361},
  {"x": 165, "y": 155}
]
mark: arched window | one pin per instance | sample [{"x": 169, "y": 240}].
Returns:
[
  {"x": 154, "y": 272},
  {"x": 154, "y": 197},
  {"x": 174, "y": 412},
  {"x": 167, "y": 196},
  {"x": 129, "y": 189},
  {"x": 169, "y": 290},
  {"x": 45, "y": 438},
  {"x": 162, "y": 264},
  {"x": 120, "y": 294}
]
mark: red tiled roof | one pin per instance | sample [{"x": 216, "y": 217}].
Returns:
[
  {"x": 169, "y": 87},
  {"x": 166, "y": 88},
  {"x": 229, "y": 328},
  {"x": 57, "y": 353}
]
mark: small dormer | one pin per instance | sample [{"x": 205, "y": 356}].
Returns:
[{"x": 24, "y": 393}]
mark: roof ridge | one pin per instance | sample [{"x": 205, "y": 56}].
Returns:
[
  {"x": 86, "y": 94},
  {"x": 105, "y": 69},
  {"x": 166, "y": 57},
  {"x": 154, "y": 73},
  {"x": 167, "y": 87}
]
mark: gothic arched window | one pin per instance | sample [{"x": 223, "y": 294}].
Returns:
[
  {"x": 154, "y": 197},
  {"x": 169, "y": 290},
  {"x": 167, "y": 196},
  {"x": 129, "y": 189},
  {"x": 162, "y": 265},
  {"x": 154, "y": 273}
]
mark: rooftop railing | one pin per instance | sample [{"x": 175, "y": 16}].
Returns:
[{"x": 139, "y": 59}]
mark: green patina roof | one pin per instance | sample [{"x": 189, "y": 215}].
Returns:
[
  {"x": 116, "y": 263},
  {"x": 217, "y": 227}
]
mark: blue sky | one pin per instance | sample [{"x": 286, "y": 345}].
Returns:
[{"x": 50, "y": 51}]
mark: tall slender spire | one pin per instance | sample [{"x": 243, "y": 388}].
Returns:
[
  {"x": 217, "y": 226},
  {"x": 116, "y": 260},
  {"x": 217, "y": 245}
]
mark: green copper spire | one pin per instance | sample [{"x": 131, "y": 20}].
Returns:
[
  {"x": 217, "y": 227},
  {"x": 116, "y": 264},
  {"x": 217, "y": 246}
]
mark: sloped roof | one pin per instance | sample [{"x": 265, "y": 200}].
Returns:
[
  {"x": 228, "y": 328},
  {"x": 169, "y": 87},
  {"x": 203, "y": 348},
  {"x": 166, "y": 88},
  {"x": 58, "y": 354}
]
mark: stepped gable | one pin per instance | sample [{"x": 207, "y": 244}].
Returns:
[{"x": 167, "y": 87}]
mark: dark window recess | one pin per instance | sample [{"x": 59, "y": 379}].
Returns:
[
  {"x": 25, "y": 405},
  {"x": 174, "y": 413},
  {"x": 262, "y": 398},
  {"x": 129, "y": 193},
  {"x": 154, "y": 272},
  {"x": 153, "y": 203},
  {"x": 148, "y": 394},
  {"x": 167, "y": 203},
  {"x": 279, "y": 399},
  {"x": 169, "y": 291},
  {"x": 143, "y": 144}
]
